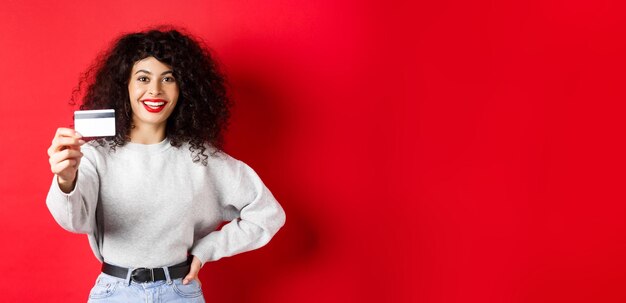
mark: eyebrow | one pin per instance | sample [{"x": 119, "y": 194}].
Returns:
[{"x": 149, "y": 73}]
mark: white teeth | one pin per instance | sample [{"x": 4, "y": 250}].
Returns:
[{"x": 153, "y": 104}]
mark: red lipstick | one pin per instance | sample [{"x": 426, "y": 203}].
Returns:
[{"x": 154, "y": 105}]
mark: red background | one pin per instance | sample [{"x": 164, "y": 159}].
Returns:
[{"x": 443, "y": 151}]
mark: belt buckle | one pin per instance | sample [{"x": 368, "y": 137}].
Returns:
[{"x": 138, "y": 275}]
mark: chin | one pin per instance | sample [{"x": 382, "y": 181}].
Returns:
[{"x": 152, "y": 120}]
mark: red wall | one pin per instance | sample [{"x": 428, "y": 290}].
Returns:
[{"x": 444, "y": 151}]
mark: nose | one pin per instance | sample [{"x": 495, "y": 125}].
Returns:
[{"x": 155, "y": 88}]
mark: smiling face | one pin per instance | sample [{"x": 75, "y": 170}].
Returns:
[{"x": 153, "y": 92}]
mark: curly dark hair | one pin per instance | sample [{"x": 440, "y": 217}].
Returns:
[{"x": 203, "y": 108}]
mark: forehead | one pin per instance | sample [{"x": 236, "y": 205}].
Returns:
[{"x": 150, "y": 64}]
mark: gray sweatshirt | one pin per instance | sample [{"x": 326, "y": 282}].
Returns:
[{"x": 150, "y": 205}]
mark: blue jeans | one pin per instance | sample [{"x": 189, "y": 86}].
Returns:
[{"x": 112, "y": 289}]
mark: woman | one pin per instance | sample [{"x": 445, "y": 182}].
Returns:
[{"x": 151, "y": 198}]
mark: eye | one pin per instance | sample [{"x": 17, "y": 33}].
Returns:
[
  {"x": 169, "y": 79},
  {"x": 143, "y": 79}
]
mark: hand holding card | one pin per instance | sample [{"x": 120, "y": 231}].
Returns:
[
  {"x": 95, "y": 123},
  {"x": 65, "y": 155}
]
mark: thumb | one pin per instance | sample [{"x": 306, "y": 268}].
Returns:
[
  {"x": 188, "y": 278},
  {"x": 196, "y": 264}
]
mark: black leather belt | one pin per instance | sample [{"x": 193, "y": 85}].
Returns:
[{"x": 142, "y": 275}]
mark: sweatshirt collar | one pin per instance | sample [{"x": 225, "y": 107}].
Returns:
[{"x": 157, "y": 147}]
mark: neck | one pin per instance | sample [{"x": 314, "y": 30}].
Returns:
[{"x": 147, "y": 133}]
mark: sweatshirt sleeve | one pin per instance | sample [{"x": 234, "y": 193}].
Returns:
[
  {"x": 76, "y": 211},
  {"x": 260, "y": 218}
]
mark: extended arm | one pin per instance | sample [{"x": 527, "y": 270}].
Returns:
[{"x": 73, "y": 195}]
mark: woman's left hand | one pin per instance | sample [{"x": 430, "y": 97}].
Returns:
[{"x": 196, "y": 264}]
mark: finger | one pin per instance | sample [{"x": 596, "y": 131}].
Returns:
[
  {"x": 63, "y": 131},
  {"x": 67, "y": 166},
  {"x": 188, "y": 278},
  {"x": 63, "y": 143},
  {"x": 70, "y": 141},
  {"x": 196, "y": 264},
  {"x": 192, "y": 275},
  {"x": 65, "y": 154},
  {"x": 62, "y": 166},
  {"x": 68, "y": 153}
]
